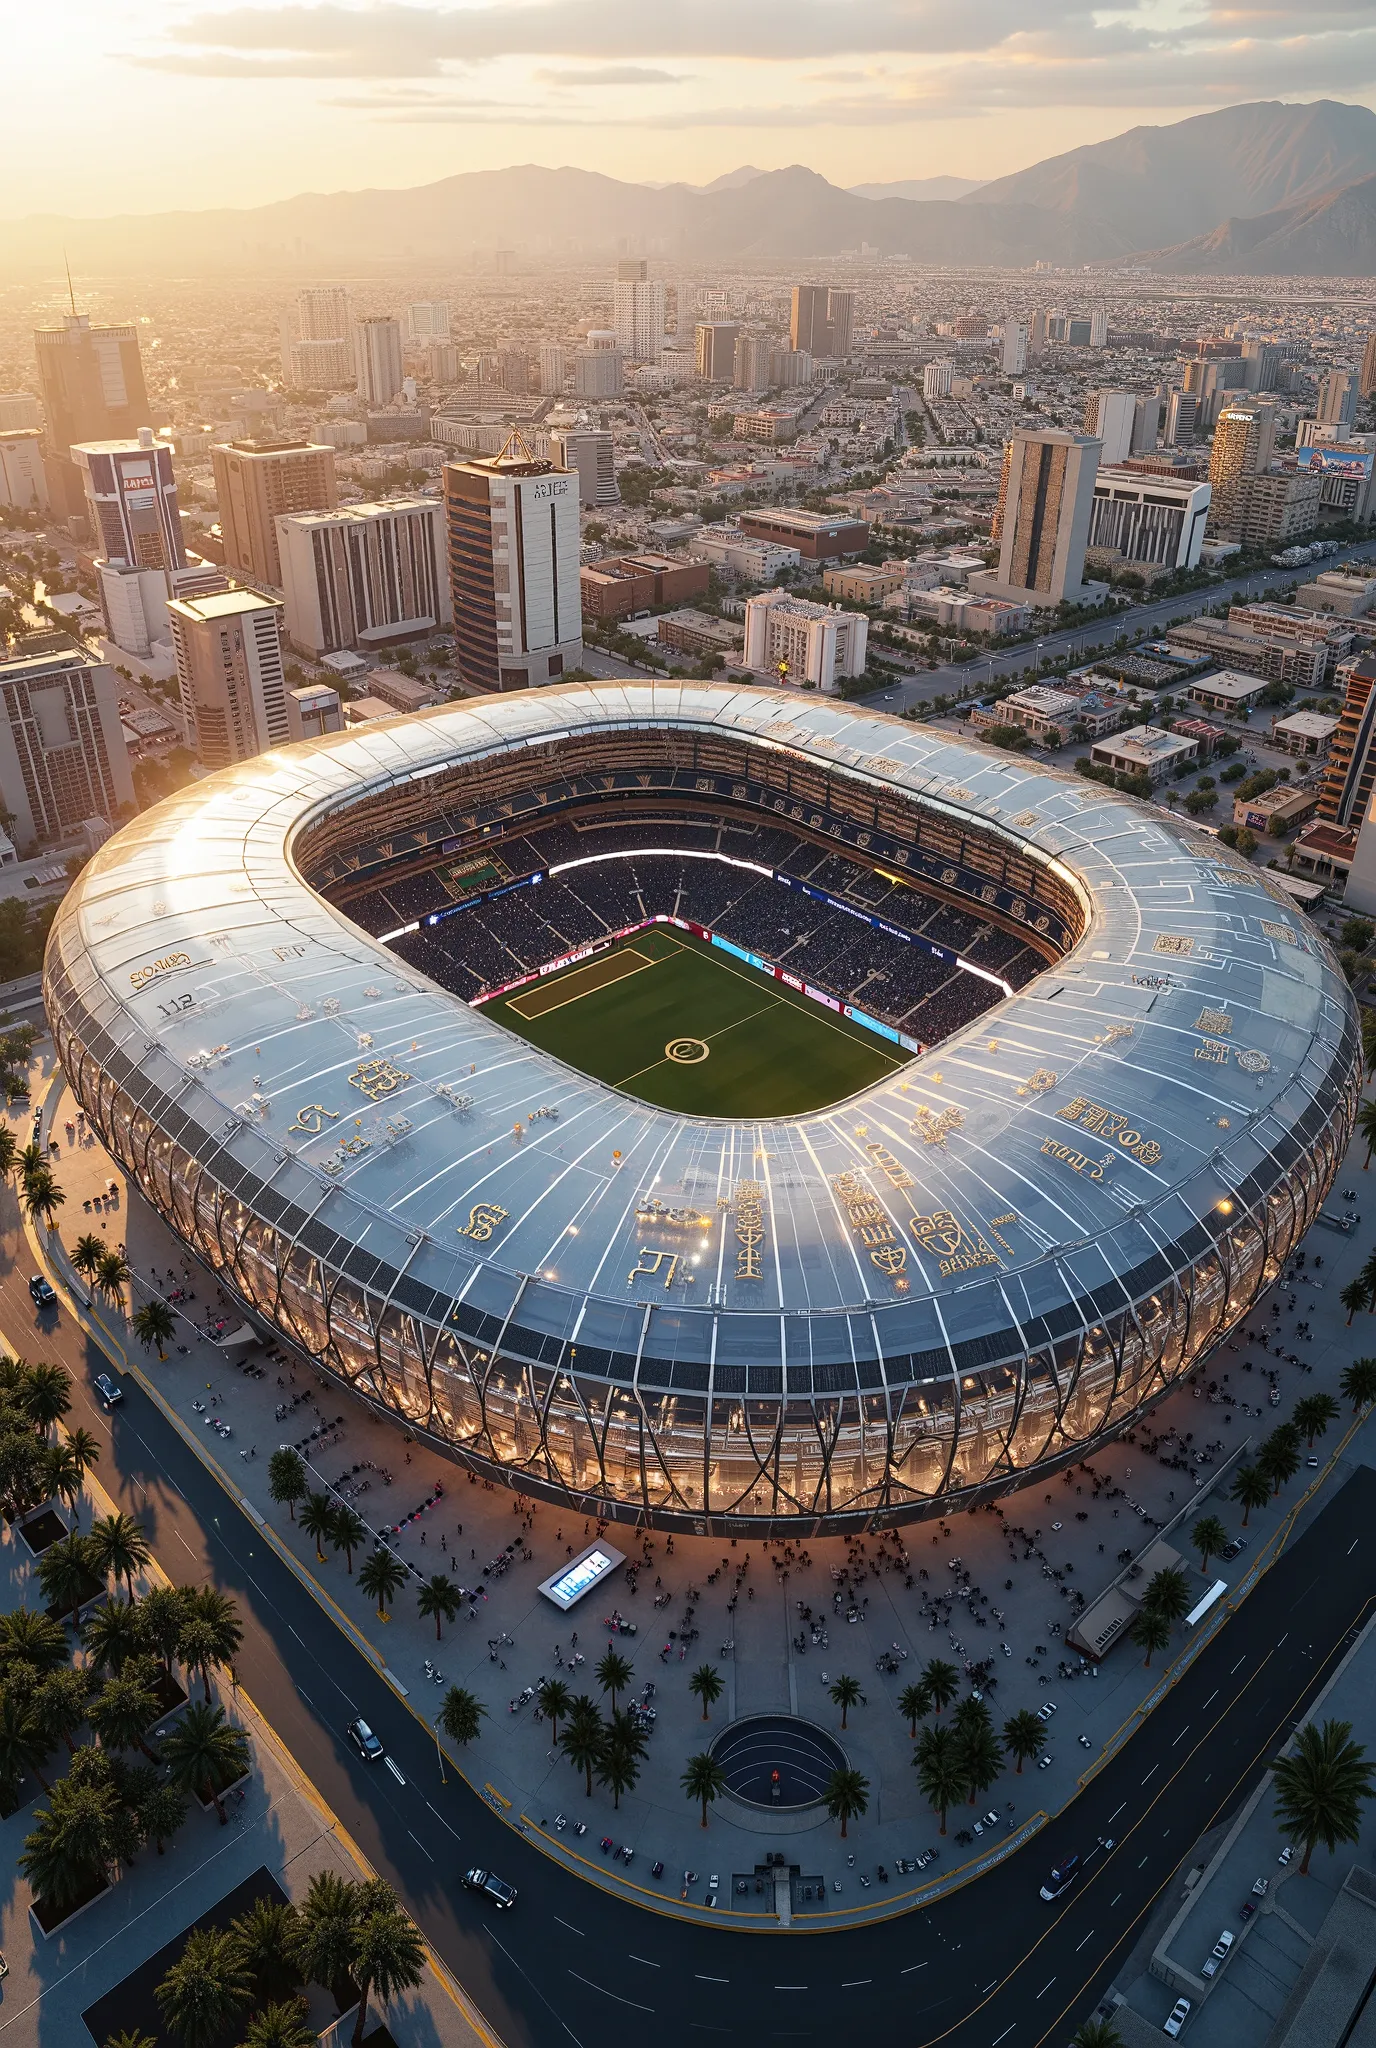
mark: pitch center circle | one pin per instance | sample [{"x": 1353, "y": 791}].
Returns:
[{"x": 687, "y": 1052}]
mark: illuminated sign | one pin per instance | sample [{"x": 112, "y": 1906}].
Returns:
[{"x": 567, "y": 1588}]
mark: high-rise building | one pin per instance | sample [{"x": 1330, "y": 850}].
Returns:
[
  {"x": 1243, "y": 443},
  {"x": 750, "y": 366},
  {"x": 1155, "y": 519},
  {"x": 597, "y": 373},
  {"x": 364, "y": 576},
  {"x": 428, "y": 320},
  {"x": 321, "y": 365},
  {"x": 322, "y": 314},
  {"x": 23, "y": 478},
  {"x": 1036, "y": 339},
  {"x": 377, "y": 358},
  {"x": 840, "y": 320},
  {"x": 552, "y": 368},
  {"x": 638, "y": 311},
  {"x": 1013, "y": 349},
  {"x": 790, "y": 367},
  {"x": 937, "y": 379},
  {"x": 1098, "y": 327},
  {"x": 62, "y": 754},
  {"x": 1278, "y": 511},
  {"x": 256, "y": 482},
  {"x": 1350, "y": 775},
  {"x": 821, "y": 320},
  {"x": 18, "y": 411},
  {"x": 92, "y": 383},
  {"x": 714, "y": 344},
  {"x": 1111, "y": 415},
  {"x": 1182, "y": 409},
  {"x": 442, "y": 362},
  {"x": 1261, "y": 365},
  {"x": 131, "y": 501},
  {"x": 513, "y": 569},
  {"x": 1047, "y": 495},
  {"x": 1337, "y": 406},
  {"x": 1367, "y": 380},
  {"x": 1146, "y": 425},
  {"x": 229, "y": 672},
  {"x": 589, "y": 451},
  {"x": 513, "y": 370}
]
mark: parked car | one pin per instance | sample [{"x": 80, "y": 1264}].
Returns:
[
  {"x": 108, "y": 1390},
  {"x": 1218, "y": 1954},
  {"x": 489, "y": 1886},
  {"x": 1062, "y": 1877},
  {"x": 365, "y": 1742},
  {"x": 1180, "y": 2012},
  {"x": 1286, "y": 1855},
  {"x": 1235, "y": 1548},
  {"x": 41, "y": 1293},
  {"x": 1046, "y": 1710}
]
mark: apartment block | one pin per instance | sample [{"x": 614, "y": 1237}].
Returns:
[
  {"x": 228, "y": 650},
  {"x": 364, "y": 576},
  {"x": 257, "y": 482}
]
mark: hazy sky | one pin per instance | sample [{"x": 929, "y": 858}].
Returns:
[{"x": 146, "y": 105}]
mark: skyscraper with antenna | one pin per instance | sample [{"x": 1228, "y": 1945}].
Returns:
[{"x": 91, "y": 381}]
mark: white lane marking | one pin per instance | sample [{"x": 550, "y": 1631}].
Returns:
[
  {"x": 1179, "y": 1738},
  {"x": 911, "y": 1967},
  {"x": 644, "y": 1959},
  {"x": 1152, "y": 1772},
  {"x": 703, "y": 1979},
  {"x": 1045, "y": 1988},
  {"x": 1114, "y": 1900},
  {"x": 1212, "y": 1697},
  {"x": 395, "y": 1769},
  {"x": 853, "y": 1983},
  {"x": 790, "y": 1987},
  {"x": 443, "y": 1822},
  {"x": 420, "y": 1845},
  {"x": 1238, "y": 1666},
  {"x": 1117, "y": 1810},
  {"x": 1080, "y": 1944},
  {"x": 1353, "y": 1545},
  {"x": 571, "y": 1928},
  {"x": 611, "y": 1994},
  {"x": 1004, "y": 2035}
]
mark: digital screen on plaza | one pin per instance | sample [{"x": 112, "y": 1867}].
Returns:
[{"x": 587, "y": 1571}]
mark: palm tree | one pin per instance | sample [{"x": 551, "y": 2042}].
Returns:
[
  {"x": 206, "y": 1989},
  {"x": 1151, "y": 1632},
  {"x": 1168, "y": 1593},
  {"x": 73, "y": 1842},
  {"x": 287, "y": 1480},
  {"x": 380, "y": 1576},
  {"x": 63, "y": 1476},
  {"x": 46, "y": 1396},
  {"x": 1358, "y": 1382},
  {"x": 9, "y": 1144},
  {"x": 1321, "y": 1786},
  {"x": 703, "y": 1780},
  {"x": 264, "y": 1936},
  {"x": 940, "y": 1770},
  {"x": 129, "y": 2037},
  {"x": 1366, "y": 1128},
  {"x": 1022, "y": 1736},
  {"x": 1209, "y": 1538},
  {"x": 618, "y": 1767},
  {"x": 912, "y": 1705},
  {"x": 323, "y": 1935},
  {"x": 941, "y": 1682},
  {"x": 613, "y": 1673},
  {"x": 388, "y": 1954},
  {"x": 843, "y": 1693},
  {"x": 86, "y": 1255},
  {"x": 204, "y": 1752},
  {"x": 23, "y": 1745},
  {"x": 1314, "y": 1413},
  {"x": 461, "y": 1714},
  {"x": 119, "y": 1548},
  {"x": 283, "y": 2024},
  {"x": 583, "y": 1737},
  {"x": 348, "y": 1532},
  {"x": 708, "y": 1685},
  {"x": 163, "y": 1613},
  {"x": 1250, "y": 1489},
  {"x": 113, "y": 1275},
  {"x": 846, "y": 1796},
  {"x": 438, "y": 1596},
  {"x": 1279, "y": 1457},
  {"x": 981, "y": 1756},
  {"x": 59, "y": 1706},
  {"x": 219, "y": 1635},
  {"x": 41, "y": 1197},
  {"x": 1096, "y": 2034},
  {"x": 113, "y": 1634},
  {"x": 1369, "y": 1040},
  {"x": 1353, "y": 1297},
  {"x": 155, "y": 1323},
  {"x": 972, "y": 1717},
  {"x": 30, "y": 1638},
  {"x": 125, "y": 1706},
  {"x": 162, "y": 1813},
  {"x": 552, "y": 1697},
  {"x": 317, "y": 1521},
  {"x": 65, "y": 1574}
]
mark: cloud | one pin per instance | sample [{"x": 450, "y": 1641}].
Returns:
[{"x": 614, "y": 74}]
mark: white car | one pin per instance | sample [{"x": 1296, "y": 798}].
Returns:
[
  {"x": 1180, "y": 2012},
  {"x": 1218, "y": 1954}
]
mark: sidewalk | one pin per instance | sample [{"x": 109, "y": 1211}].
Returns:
[{"x": 502, "y": 1546}]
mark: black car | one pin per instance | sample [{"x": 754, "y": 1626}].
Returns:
[
  {"x": 109, "y": 1390},
  {"x": 490, "y": 1886},
  {"x": 41, "y": 1292},
  {"x": 365, "y": 1742},
  {"x": 1062, "y": 1877}
]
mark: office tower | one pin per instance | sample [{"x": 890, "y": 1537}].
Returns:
[
  {"x": 1047, "y": 495},
  {"x": 513, "y": 569},
  {"x": 1261, "y": 365},
  {"x": 588, "y": 450},
  {"x": 1350, "y": 775},
  {"x": 323, "y": 314},
  {"x": 840, "y": 319},
  {"x": 91, "y": 379},
  {"x": 513, "y": 371},
  {"x": 1098, "y": 327},
  {"x": 442, "y": 362},
  {"x": 1149, "y": 517},
  {"x": 552, "y": 368},
  {"x": 18, "y": 410},
  {"x": 312, "y": 711},
  {"x": 256, "y": 482},
  {"x": 792, "y": 639},
  {"x": 363, "y": 576},
  {"x": 632, "y": 270},
  {"x": 1146, "y": 425},
  {"x": 229, "y": 672},
  {"x": 750, "y": 365},
  {"x": 131, "y": 501},
  {"x": 1013, "y": 350},
  {"x": 63, "y": 760},
  {"x": 937, "y": 379},
  {"x": 1036, "y": 339},
  {"x": 1110, "y": 416},
  {"x": 428, "y": 320},
  {"x": 1337, "y": 406},
  {"x": 1243, "y": 442},
  {"x": 377, "y": 358},
  {"x": 1181, "y": 412},
  {"x": 808, "y": 324},
  {"x": 23, "y": 478},
  {"x": 714, "y": 343},
  {"x": 321, "y": 365},
  {"x": 638, "y": 312},
  {"x": 597, "y": 373},
  {"x": 1366, "y": 382}
]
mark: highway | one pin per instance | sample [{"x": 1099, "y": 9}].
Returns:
[{"x": 990, "y": 1964}]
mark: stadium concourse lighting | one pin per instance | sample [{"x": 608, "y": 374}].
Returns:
[{"x": 956, "y": 1279}]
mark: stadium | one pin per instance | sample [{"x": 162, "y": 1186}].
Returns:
[{"x": 724, "y": 1109}]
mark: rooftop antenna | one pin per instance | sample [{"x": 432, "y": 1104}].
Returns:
[{"x": 70, "y": 293}]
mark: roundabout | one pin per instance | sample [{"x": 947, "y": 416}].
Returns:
[{"x": 777, "y": 1761}]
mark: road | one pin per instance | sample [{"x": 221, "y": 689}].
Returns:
[{"x": 988, "y": 1964}]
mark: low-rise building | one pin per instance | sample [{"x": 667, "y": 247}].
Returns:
[
  {"x": 1307, "y": 733},
  {"x": 1347, "y": 592},
  {"x": 1145, "y": 750},
  {"x": 1325, "y": 850},
  {"x": 861, "y": 585},
  {"x": 366, "y": 710},
  {"x": 313, "y": 710},
  {"x": 403, "y": 692},
  {"x": 772, "y": 423},
  {"x": 694, "y": 632},
  {"x": 1208, "y": 736},
  {"x": 969, "y": 612},
  {"x": 1226, "y": 691},
  {"x": 621, "y": 584},
  {"x": 1275, "y": 810},
  {"x": 1291, "y": 622},
  {"x": 793, "y": 640},
  {"x": 818, "y": 536},
  {"x": 1301, "y": 663},
  {"x": 736, "y": 553},
  {"x": 1048, "y": 715}
]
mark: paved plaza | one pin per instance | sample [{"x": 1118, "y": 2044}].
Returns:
[{"x": 993, "y": 1591}]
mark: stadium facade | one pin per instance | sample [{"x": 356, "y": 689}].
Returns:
[{"x": 952, "y": 1283}]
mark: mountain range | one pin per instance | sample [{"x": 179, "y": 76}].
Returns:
[{"x": 1262, "y": 188}]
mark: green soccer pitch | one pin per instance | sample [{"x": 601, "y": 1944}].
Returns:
[{"x": 673, "y": 1020}]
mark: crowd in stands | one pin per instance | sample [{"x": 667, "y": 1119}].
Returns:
[{"x": 496, "y": 940}]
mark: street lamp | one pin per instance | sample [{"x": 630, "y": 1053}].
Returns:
[{"x": 438, "y": 1751}]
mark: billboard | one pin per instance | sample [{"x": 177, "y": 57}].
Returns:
[{"x": 1336, "y": 461}]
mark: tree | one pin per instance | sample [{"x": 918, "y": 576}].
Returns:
[
  {"x": 204, "y": 1752},
  {"x": 583, "y": 1737},
  {"x": 211, "y": 1633},
  {"x": 125, "y": 1706},
  {"x": 707, "y": 1685},
  {"x": 388, "y": 1954},
  {"x": 112, "y": 1276},
  {"x": 264, "y": 1938},
  {"x": 130, "y": 2037},
  {"x": 553, "y": 1697},
  {"x": 1151, "y": 1631},
  {"x": 618, "y": 1765},
  {"x": 1358, "y": 1382},
  {"x": 940, "y": 1772},
  {"x": 941, "y": 1682},
  {"x": 1313, "y": 1414},
  {"x": 119, "y": 1548},
  {"x": 381, "y": 1576},
  {"x": 154, "y": 1323},
  {"x": 704, "y": 1780},
  {"x": 1250, "y": 1489},
  {"x": 23, "y": 1744},
  {"x": 1209, "y": 1538},
  {"x": 1320, "y": 1787},
  {"x": 282, "y": 2024},
  {"x": 46, "y": 1396},
  {"x": 41, "y": 1197},
  {"x": 86, "y": 1255},
  {"x": 59, "y": 1706},
  {"x": 206, "y": 1989},
  {"x": 348, "y": 1532},
  {"x": 163, "y": 1614},
  {"x": 846, "y": 1796},
  {"x": 981, "y": 1758},
  {"x": 1353, "y": 1297},
  {"x": 113, "y": 1634},
  {"x": 323, "y": 1936},
  {"x": 317, "y": 1521},
  {"x": 1096, "y": 2034},
  {"x": 613, "y": 1673},
  {"x": 73, "y": 1842},
  {"x": 63, "y": 1475},
  {"x": 163, "y": 1812},
  {"x": 1168, "y": 1593},
  {"x": 29, "y": 1638},
  {"x": 1022, "y": 1736},
  {"x": 912, "y": 1705},
  {"x": 1279, "y": 1457},
  {"x": 1366, "y": 1128},
  {"x": 65, "y": 1574},
  {"x": 287, "y": 1480},
  {"x": 438, "y": 1597},
  {"x": 461, "y": 1715},
  {"x": 843, "y": 1692}
]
